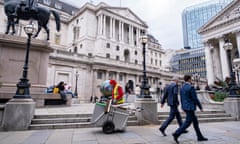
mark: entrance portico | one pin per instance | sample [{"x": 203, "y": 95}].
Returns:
[{"x": 226, "y": 25}]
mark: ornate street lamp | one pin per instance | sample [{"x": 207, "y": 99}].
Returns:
[
  {"x": 196, "y": 78},
  {"x": 23, "y": 85},
  {"x": 76, "y": 93},
  {"x": 233, "y": 88},
  {"x": 145, "y": 93}
]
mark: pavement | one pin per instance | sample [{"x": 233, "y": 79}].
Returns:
[{"x": 217, "y": 133}]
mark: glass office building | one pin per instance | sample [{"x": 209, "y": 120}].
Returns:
[
  {"x": 192, "y": 59},
  {"x": 196, "y": 16},
  {"x": 189, "y": 62}
]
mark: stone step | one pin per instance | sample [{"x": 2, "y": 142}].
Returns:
[
  {"x": 70, "y": 125},
  {"x": 83, "y": 120},
  {"x": 206, "y": 120},
  {"x": 54, "y": 120},
  {"x": 61, "y": 120},
  {"x": 48, "y": 116},
  {"x": 199, "y": 115},
  {"x": 198, "y": 112}
]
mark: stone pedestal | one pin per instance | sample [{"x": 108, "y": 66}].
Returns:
[
  {"x": 232, "y": 106},
  {"x": 18, "y": 114},
  {"x": 12, "y": 58},
  {"x": 146, "y": 111}
]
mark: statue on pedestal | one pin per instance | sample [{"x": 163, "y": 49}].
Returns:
[{"x": 16, "y": 10}]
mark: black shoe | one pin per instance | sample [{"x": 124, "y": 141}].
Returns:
[
  {"x": 186, "y": 131},
  {"x": 202, "y": 139},
  {"x": 162, "y": 131},
  {"x": 175, "y": 137}
]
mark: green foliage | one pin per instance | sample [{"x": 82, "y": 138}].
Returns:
[{"x": 220, "y": 96}]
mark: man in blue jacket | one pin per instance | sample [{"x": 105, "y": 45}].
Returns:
[
  {"x": 189, "y": 102},
  {"x": 171, "y": 95}
]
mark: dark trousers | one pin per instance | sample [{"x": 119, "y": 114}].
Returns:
[
  {"x": 173, "y": 112},
  {"x": 190, "y": 117},
  {"x": 63, "y": 96}
]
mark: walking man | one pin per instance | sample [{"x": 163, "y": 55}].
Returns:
[
  {"x": 171, "y": 94},
  {"x": 189, "y": 101}
]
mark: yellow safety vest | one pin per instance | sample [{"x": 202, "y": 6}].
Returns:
[{"x": 115, "y": 94}]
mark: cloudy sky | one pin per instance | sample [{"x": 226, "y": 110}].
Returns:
[{"x": 162, "y": 16}]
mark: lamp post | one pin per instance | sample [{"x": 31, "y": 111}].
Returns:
[
  {"x": 196, "y": 78},
  {"x": 76, "y": 93},
  {"x": 145, "y": 93},
  {"x": 233, "y": 88},
  {"x": 23, "y": 85}
]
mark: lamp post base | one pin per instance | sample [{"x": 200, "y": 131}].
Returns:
[
  {"x": 232, "y": 106},
  {"x": 146, "y": 111},
  {"x": 18, "y": 114}
]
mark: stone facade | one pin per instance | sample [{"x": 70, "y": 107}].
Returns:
[
  {"x": 225, "y": 25},
  {"x": 99, "y": 42}
]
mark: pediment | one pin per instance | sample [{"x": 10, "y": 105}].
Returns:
[
  {"x": 229, "y": 13},
  {"x": 126, "y": 13}
]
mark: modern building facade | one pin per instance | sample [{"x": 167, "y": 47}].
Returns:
[
  {"x": 189, "y": 62},
  {"x": 97, "y": 42},
  {"x": 224, "y": 26},
  {"x": 193, "y": 61},
  {"x": 196, "y": 16}
]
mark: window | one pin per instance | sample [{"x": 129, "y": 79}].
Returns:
[
  {"x": 73, "y": 12},
  {"x": 75, "y": 49},
  {"x": 90, "y": 54},
  {"x": 76, "y": 32},
  {"x": 135, "y": 52},
  {"x": 99, "y": 75},
  {"x": 108, "y": 45},
  {"x": 80, "y": 45},
  {"x": 47, "y": 2},
  {"x": 57, "y": 39},
  {"x": 58, "y": 5},
  {"x": 136, "y": 61},
  {"x": 117, "y": 48},
  {"x": 117, "y": 57},
  {"x": 120, "y": 77},
  {"x": 107, "y": 55}
]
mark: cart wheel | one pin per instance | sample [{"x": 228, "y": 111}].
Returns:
[{"x": 108, "y": 127}]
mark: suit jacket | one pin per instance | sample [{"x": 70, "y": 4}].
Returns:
[
  {"x": 171, "y": 94},
  {"x": 189, "y": 98}
]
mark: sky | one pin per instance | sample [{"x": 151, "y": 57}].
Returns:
[{"x": 163, "y": 17}]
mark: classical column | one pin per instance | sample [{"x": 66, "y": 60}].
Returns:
[
  {"x": 132, "y": 35},
  {"x": 93, "y": 78},
  {"x": 122, "y": 25},
  {"x": 98, "y": 26},
  {"x": 106, "y": 75},
  {"x": 101, "y": 24},
  {"x": 209, "y": 63},
  {"x": 111, "y": 27},
  {"x": 138, "y": 36},
  {"x": 217, "y": 62},
  {"x": 114, "y": 29},
  {"x": 224, "y": 60},
  {"x": 129, "y": 34},
  {"x": 104, "y": 25},
  {"x": 238, "y": 42},
  {"x": 119, "y": 30}
]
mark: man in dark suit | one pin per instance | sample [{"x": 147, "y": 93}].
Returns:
[
  {"x": 171, "y": 94},
  {"x": 189, "y": 101}
]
